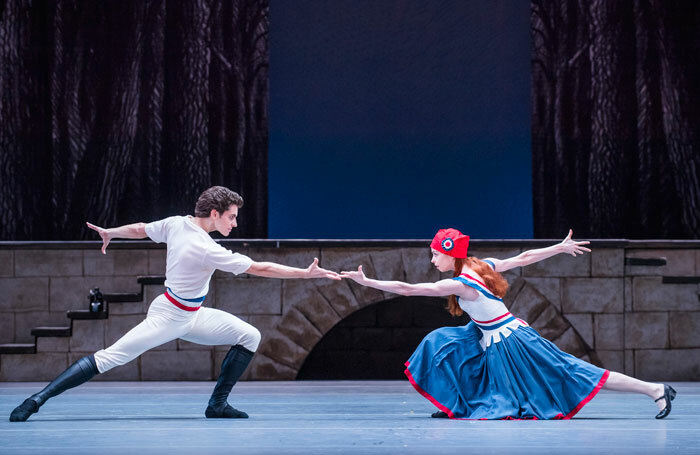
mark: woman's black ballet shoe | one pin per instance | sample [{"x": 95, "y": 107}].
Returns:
[
  {"x": 439, "y": 415},
  {"x": 669, "y": 395},
  {"x": 22, "y": 412},
  {"x": 228, "y": 412}
]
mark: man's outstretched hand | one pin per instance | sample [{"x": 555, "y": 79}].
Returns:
[
  {"x": 314, "y": 271},
  {"x": 103, "y": 234}
]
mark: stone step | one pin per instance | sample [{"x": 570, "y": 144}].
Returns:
[
  {"x": 151, "y": 280},
  {"x": 122, "y": 297},
  {"x": 85, "y": 314},
  {"x": 657, "y": 262},
  {"x": 52, "y": 331},
  {"x": 680, "y": 280},
  {"x": 17, "y": 348}
]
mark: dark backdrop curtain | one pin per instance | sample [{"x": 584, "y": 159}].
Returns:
[
  {"x": 615, "y": 124},
  {"x": 124, "y": 111}
]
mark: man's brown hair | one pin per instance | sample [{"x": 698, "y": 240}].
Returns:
[{"x": 217, "y": 198}]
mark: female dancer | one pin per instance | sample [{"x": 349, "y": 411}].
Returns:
[
  {"x": 497, "y": 366},
  {"x": 193, "y": 256}
]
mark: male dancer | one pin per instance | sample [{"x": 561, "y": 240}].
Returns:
[{"x": 192, "y": 258}]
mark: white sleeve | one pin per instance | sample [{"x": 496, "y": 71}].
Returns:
[
  {"x": 158, "y": 230},
  {"x": 220, "y": 258}
]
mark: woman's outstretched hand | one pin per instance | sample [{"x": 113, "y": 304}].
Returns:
[
  {"x": 357, "y": 276},
  {"x": 103, "y": 234},
  {"x": 573, "y": 247},
  {"x": 314, "y": 271}
]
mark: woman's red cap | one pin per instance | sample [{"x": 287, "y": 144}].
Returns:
[{"x": 451, "y": 242}]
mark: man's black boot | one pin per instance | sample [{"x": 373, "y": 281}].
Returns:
[
  {"x": 232, "y": 368},
  {"x": 81, "y": 371}
]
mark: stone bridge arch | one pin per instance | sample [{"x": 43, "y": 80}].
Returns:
[{"x": 311, "y": 308}]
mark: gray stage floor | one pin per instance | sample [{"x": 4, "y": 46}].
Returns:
[{"x": 326, "y": 417}]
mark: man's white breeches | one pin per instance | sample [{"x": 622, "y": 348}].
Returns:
[{"x": 166, "y": 322}]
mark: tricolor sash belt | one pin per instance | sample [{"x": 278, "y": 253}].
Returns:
[{"x": 182, "y": 303}]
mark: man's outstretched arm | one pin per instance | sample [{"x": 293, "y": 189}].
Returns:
[
  {"x": 129, "y": 231},
  {"x": 274, "y": 270}
]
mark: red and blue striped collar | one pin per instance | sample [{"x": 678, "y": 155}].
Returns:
[{"x": 476, "y": 284}]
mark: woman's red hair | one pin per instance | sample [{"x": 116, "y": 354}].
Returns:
[{"x": 493, "y": 280}]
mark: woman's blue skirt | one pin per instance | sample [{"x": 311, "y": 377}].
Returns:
[{"x": 523, "y": 376}]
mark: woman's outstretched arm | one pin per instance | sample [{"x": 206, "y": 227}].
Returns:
[
  {"x": 441, "y": 288},
  {"x": 528, "y": 257}
]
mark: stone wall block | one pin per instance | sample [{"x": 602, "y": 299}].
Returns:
[
  {"x": 311, "y": 303},
  {"x": 7, "y": 328},
  {"x": 494, "y": 252},
  {"x": 264, "y": 368},
  {"x": 550, "y": 288},
  {"x": 24, "y": 294},
  {"x": 343, "y": 299},
  {"x": 646, "y": 330},
  {"x": 300, "y": 330},
  {"x": 249, "y": 296},
  {"x": 177, "y": 366},
  {"x": 529, "y": 303},
  {"x": 71, "y": 293},
  {"x": 608, "y": 262},
  {"x": 550, "y": 324},
  {"x": 7, "y": 265},
  {"x": 280, "y": 348},
  {"x": 339, "y": 259},
  {"x": 32, "y": 367},
  {"x": 388, "y": 265},
  {"x": 53, "y": 344},
  {"x": 629, "y": 363},
  {"x": 293, "y": 257},
  {"x": 88, "y": 336},
  {"x": 48, "y": 263},
  {"x": 127, "y": 308},
  {"x": 115, "y": 262},
  {"x": 570, "y": 342},
  {"x": 218, "y": 360},
  {"x": 561, "y": 265},
  {"x": 583, "y": 324},
  {"x": 169, "y": 346},
  {"x": 514, "y": 289},
  {"x": 649, "y": 294},
  {"x": 609, "y": 331},
  {"x": 685, "y": 329},
  {"x": 612, "y": 360},
  {"x": 156, "y": 261},
  {"x": 416, "y": 263},
  {"x": 678, "y": 262},
  {"x": 210, "y": 298},
  {"x": 593, "y": 295},
  {"x": 263, "y": 322},
  {"x": 667, "y": 364},
  {"x": 183, "y": 345},
  {"x": 628, "y": 295},
  {"x": 25, "y": 322}
]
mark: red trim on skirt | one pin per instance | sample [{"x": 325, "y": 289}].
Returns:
[{"x": 559, "y": 416}]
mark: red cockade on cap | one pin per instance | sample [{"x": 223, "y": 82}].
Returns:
[{"x": 451, "y": 242}]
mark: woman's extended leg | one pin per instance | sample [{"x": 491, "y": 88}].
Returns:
[{"x": 623, "y": 383}]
